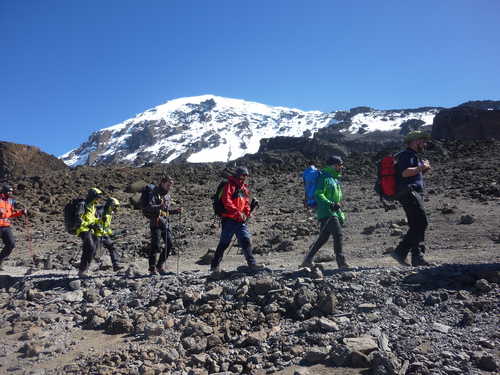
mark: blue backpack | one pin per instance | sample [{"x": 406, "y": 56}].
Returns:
[{"x": 310, "y": 176}]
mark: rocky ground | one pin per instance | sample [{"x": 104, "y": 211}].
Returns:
[{"x": 376, "y": 318}]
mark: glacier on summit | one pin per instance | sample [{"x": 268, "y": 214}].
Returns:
[{"x": 210, "y": 128}]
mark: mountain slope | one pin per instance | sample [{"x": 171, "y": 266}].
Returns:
[{"x": 210, "y": 128}]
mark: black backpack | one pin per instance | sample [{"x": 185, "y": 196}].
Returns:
[
  {"x": 217, "y": 204},
  {"x": 72, "y": 215},
  {"x": 216, "y": 199},
  {"x": 143, "y": 202}
]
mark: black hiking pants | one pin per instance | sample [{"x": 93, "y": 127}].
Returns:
[
  {"x": 110, "y": 246},
  {"x": 413, "y": 241},
  {"x": 89, "y": 248},
  {"x": 160, "y": 229},
  {"x": 8, "y": 241},
  {"x": 329, "y": 226}
]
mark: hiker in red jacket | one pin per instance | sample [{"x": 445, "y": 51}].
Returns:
[
  {"x": 236, "y": 200},
  {"x": 7, "y": 211}
]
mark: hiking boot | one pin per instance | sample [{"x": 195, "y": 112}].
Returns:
[
  {"x": 256, "y": 267},
  {"x": 399, "y": 258},
  {"x": 419, "y": 261},
  {"x": 117, "y": 267},
  {"x": 161, "y": 270},
  {"x": 307, "y": 263},
  {"x": 1, "y": 267},
  {"x": 153, "y": 272},
  {"x": 341, "y": 263},
  {"x": 83, "y": 274}
]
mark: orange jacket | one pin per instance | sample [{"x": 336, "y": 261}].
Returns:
[
  {"x": 236, "y": 199},
  {"x": 7, "y": 210}
]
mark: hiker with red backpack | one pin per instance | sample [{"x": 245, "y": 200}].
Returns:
[
  {"x": 8, "y": 210},
  {"x": 156, "y": 202},
  {"x": 235, "y": 199},
  {"x": 410, "y": 169},
  {"x": 326, "y": 201}
]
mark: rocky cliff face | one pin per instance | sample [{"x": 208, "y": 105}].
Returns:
[
  {"x": 19, "y": 160},
  {"x": 471, "y": 120}
]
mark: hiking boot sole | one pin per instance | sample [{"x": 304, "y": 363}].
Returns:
[{"x": 398, "y": 259}]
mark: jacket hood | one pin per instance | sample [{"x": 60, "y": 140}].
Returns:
[
  {"x": 332, "y": 172},
  {"x": 235, "y": 180}
]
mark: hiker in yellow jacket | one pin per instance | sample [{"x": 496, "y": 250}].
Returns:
[{"x": 104, "y": 232}]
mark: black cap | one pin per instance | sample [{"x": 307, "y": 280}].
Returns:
[
  {"x": 6, "y": 189},
  {"x": 334, "y": 160},
  {"x": 240, "y": 171}
]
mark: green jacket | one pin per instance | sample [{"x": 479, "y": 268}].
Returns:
[
  {"x": 328, "y": 191},
  {"x": 89, "y": 217}
]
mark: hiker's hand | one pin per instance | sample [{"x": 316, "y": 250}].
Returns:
[
  {"x": 425, "y": 166},
  {"x": 335, "y": 207},
  {"x": 94, "y": 227},
  {"x": 163, "y": 213},
  {"x": 176, "y": 211},
  {"x": 25, "y": 212},
  {"x": 254, "y": 204},
  {"x": 243, "y": 217}
]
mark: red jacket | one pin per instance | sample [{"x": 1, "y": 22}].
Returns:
[
  {"x": 236, "y": 199},
  {"x": 7, "y": 210}
]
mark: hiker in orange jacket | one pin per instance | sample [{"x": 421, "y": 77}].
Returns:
[{"x": 7, "y": 211}]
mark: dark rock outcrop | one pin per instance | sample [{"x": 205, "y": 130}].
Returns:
[
  {"x": 18, "y": 160},
  {"x": 469, "y": 121}
]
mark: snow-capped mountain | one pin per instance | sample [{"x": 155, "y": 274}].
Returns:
[{"x": 210, "y": 128}]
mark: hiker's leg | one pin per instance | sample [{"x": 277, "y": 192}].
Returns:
[
  {"x": 110, "y": 246},
  {"x": 245, "y": 241},
  {"x": 338, "y": 241},
  {"x": 409, "y": 240},
  {"x": 420, "y": 226},
  {"x": 154, "y": 249},
  {"x": 323, "y": 236},
  {"x": 8, "y": 241},
  {"x": 167, "y": 245},
  {"x": 226, "y": 235},
  {"x": 88, "y": 252}
]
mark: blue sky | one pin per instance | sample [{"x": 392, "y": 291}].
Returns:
[{"x": 71, "y": 67}]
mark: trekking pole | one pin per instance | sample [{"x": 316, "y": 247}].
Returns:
[
  {"x": 30, "y": 238},
  {"x": 177, "y": 245}
]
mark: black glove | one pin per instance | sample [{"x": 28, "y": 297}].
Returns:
[
  {"x": 335, "y": 207},
  {"x": 254, "y": 203}
]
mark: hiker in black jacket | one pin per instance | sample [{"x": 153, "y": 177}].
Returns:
[
  {"x": 410, "y": 169},
  {"x": 158, "y": 210}
]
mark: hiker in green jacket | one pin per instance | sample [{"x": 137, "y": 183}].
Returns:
[{"x": 328, "y": 196}]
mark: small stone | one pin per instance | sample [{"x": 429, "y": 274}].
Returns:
[
  {"x": 466, "y": 219},
  {"x": 483, "y": 286},
  {"x": 367, "y": 307},
  {"x": 75, "y": 285},
  {"x": 441, "y": 327},
  {"x": 487, "y": 363}
]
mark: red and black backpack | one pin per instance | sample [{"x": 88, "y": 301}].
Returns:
[{"x": 386, "y": 182}]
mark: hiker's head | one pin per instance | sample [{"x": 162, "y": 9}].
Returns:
[
  {"x": 335, "y": 162},
  {"x": 241, "y": 173},
  {"x": 94, "y": 194},
  {"x": 7, "y": 190},
  {"x": 416, "y": 140},
  {"x": 111, "y": 204},
  {"x": 166, "y": 182}
]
